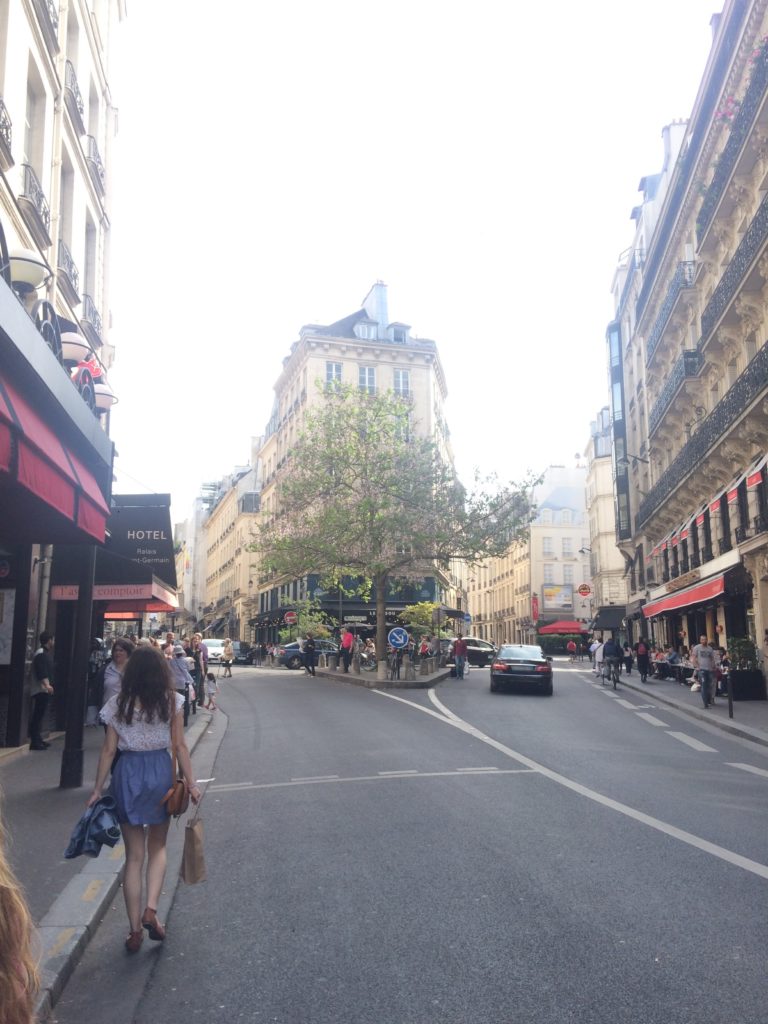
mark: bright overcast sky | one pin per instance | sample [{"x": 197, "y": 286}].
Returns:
[{"x": 275, "y": 159}]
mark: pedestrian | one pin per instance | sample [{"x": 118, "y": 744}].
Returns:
[
  {"x": 143, "y": 720},
  {"x": 723, "y": 669},
  {"x": 42, "y": 676},
  {"x": 459, "y": 655},
  {"x": 227, "y": 657},
  {"x": 641, "y": 653},
  {"x": 628, "y": 658},
  {"x": 599, "y": 658},
  {"x": 19, "y": 979},
  {"x": 200, "y": 670},
  {"x": 424, "y": 647},
  {"x": 347, "y": 643},
  {"x": 611, "y": 655},
  {"x": 112, "y": 673},
  {"x": 704, "y": 659},
  {"x": 211, "y": 689},
  {"x": 309, "y": 654},
  {"x": 592, "y": 648},
  {"x": 571, "y": 648}
]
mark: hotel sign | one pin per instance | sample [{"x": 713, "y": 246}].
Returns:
[
  {"x": 684, "y": 581},
  {"x": 140, "y": 529}
]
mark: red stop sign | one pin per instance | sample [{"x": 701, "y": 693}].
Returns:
[{"x": 290, "y": 618}]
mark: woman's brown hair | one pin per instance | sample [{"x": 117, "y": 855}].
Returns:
[
  {"x": 146, "y": 682},
  {"x": 18, "y": 966}
]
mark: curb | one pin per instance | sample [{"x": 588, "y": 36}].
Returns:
[
  {"x": 744, "y": 732},
  {"x": 71, "y": 922},
  {"x": 370, "y": 680}
]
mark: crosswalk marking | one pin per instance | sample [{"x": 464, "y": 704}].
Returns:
[
  {"x": 651, "y": 719},
  {"x": 691, "y": 742},
  {"x": 748, "y": 768}
]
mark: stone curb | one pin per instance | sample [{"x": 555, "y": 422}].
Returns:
[
  {"x": 72, "y": 920},
  {"x": 370, "y": 680}
]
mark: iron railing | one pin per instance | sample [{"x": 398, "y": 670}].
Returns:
[
  {"x": 752, "y": 383},
  {"x": 33, "y": 191},
  {"x": 739, "y": 132},
  {"x": 6, "y": 131},
  {"x": 682, "y": 278},
  {"x": 724, "y": 545},
  {"x": 688, "y": 365},
  {"x": 91, "y": 314},
  {"x": 95, "y": 162},
  {"x": 760, "y": 523},
  {"x": 70, "y": 84},
  {"x": 67, "y": 265}
]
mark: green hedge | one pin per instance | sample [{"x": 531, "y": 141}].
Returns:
[{"x": 557, "y": 644}]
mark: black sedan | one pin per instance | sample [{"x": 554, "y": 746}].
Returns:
[
  {"x": 521, "y": 665},
  {"x": 290, "y": 654}
]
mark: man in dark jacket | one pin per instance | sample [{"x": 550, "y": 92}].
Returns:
[{"x": 42, "y": 688}]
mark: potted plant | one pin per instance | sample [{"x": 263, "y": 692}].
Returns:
[{"x": 746, "y": 680}]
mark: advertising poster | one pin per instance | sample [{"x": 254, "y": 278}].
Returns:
[
  {"x": 7, "y": 604},
  {"x": 558, "y": 596}
]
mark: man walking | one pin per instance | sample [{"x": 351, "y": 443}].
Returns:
[
  {"x": 309, "y": 655},
  {"x": 347, "y": 643},
  {"x": 42, "y": 675},
  {"x": 641, "y": 653},
  {"x": 703, "y": 658},
  {"x": 460, "y": 656}
]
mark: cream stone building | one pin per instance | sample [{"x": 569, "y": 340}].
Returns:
[{"x": 688, "y": 353}]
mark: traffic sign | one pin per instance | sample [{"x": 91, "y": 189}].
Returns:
[
  {"x": 290, "y": 618},
  {"x": 398, "y": 638},
  {"x": 467, "y": 617},
  {"x": 585, "y": 590}
]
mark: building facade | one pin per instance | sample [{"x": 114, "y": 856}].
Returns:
[
  {"x": 56, "y": 123},
  {"x": 688, "y": 352}
]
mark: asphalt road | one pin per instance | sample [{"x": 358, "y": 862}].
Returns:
[{"x": 475, "y": 858}]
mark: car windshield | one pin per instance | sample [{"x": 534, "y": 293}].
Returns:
[{"x": 520, "y": 652}]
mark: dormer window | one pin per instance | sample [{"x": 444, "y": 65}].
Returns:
[
  {"x": 365, "y": 330},
  {"x": 398, "y": 336}
]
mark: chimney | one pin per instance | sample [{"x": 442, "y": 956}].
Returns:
[{"x": 375, "y": 305}]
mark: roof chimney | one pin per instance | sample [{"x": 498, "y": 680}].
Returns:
[{"x": 375, "y": 305}]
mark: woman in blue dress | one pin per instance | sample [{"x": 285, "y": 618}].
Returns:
[{"x": 143, "y": 720}]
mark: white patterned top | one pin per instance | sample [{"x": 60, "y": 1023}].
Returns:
[{"x": 140, "y": 734}]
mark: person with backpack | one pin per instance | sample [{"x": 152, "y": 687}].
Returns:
[
  {"x": 641, "y": 653},
  {"x": 611, "y": 656}
]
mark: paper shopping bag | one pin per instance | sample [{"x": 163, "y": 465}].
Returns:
[{"x": 193, "y": 860}]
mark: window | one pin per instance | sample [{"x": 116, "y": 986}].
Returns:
[
  {"x": 398, "y": 336},
  {"x": 363, "y": 330},
  {"x": 546, "y": 515},
  {"x": 567, "y": 547},
  {"x": 402, "y": 383},
  {"x": 567, "y": 574},
  {"x": 549, "y": 573},
  {"x": 566, "y": 517},
  {"x": 367, "y": 379},
  {"x": 618, "y": 412},
  {"x": 548, "y": 546},
  {"x": 332, "y": 374}
]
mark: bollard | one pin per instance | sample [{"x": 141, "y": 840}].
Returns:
[{"x": 410, "y": 671}]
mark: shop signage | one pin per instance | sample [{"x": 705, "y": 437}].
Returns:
[
  {"x": 558, "y": 596},
  {"x": 585, "y": 590},
  {"x": 355, "y": 618},
  {"x": 684, "y": 581},
  {"x": 140, "y": 529}
]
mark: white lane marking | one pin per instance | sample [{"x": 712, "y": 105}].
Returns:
[
  {"x": 335, "y": 780},
  {"x": 753, "y": 866},
  {"x": 229, "y": 785},
  {"x": 313, "y": 778},
  {"x": 440, "y": 706},
  {"x": 491, "y": 769},
  {"x": 651, "y": 719},
  {"x": 696, "y": 744},
  {"x": 748, "y": 768},
  {"x": 402, "y": 771},
  {"x": 626, "y": 704}
]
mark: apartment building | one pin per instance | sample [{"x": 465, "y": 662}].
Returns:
[
  {"x": 56, "y": 123},
  {"x": 367, "y": 350},
  {"x": 688, "y": 355}
]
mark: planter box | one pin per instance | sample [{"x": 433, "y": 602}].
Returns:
[{"x": 748, "y": 684}]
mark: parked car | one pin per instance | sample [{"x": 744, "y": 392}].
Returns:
[
  {"x": 479, "y": 652},
  {"x": 243, "y": 652},
  {"x": 215, "y": 648},
  {"x": 522, "y": 665},
  {"x": 290, "y": 654}
]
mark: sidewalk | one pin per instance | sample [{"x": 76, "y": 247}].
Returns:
[
  {"x": 750, "y": 717},
  {"x": 67, "y": 898}
]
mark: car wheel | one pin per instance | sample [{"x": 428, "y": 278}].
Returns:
[
  {"x": 294, "y": 662},
  {"x": 548, "y": 690},
  {"x": 494, "y": 686}
]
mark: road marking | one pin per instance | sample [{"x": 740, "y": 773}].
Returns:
[
  {"x": 61, "y": 941},
  {"x": 490, "y": 769},
  {"x": 229, "y": 785},
  {"x": 380, "y": 777},
  {"x": 626, "y": 704},
  {"x": 92, "y": 890},
  {"x": 748, "y": 768},
  {"x": 651, "y": 719},
  {"x": 402, "y": 771},
  {"x": 704, "y": 845},
  {"x": 440, "y": 706},
  {"x": 314, "y": 778},
  {"x": 696, "y": 744}
]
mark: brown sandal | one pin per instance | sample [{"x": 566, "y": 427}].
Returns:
[
  {"x": 155, "y": 930},
  {"x": 134, "y": 941}
]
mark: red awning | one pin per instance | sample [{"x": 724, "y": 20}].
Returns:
[
  {"x": 563, "y": 626},
  {"x": 46, "y": 467},
  {"x": 691, "y": 595}
]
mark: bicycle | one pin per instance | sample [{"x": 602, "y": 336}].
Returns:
[{"x": 611, "y": 671}]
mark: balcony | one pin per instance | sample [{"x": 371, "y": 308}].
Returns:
[
  {"x": 34, "y": 208},
  {"x": 707, "y": 555},
  {"x": 695, "y": 561},
  {"x": 742, "y": 534},
  {"x": 73, "y": 98},
  {"x": 95, "y": 166},
  {"x": 681, "y": 281},
  {"x": 737, "y": 137},
  {"x": 69, "y": 276},
  {"x": 47, "y": 12},
  {"x": 91, "y": 322},
  {"x": 750, "y": 385},
  {"x": 732, "y": 281},
  {"x": 724, "y": 545},
  {"x": 760, "y": 524},
  {"x": 688, "y": 365},
  {"x": 6, "y": 156}
]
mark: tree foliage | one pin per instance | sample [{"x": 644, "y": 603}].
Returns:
[
  {"x": 310, "y": 619},
  {"x": 365, "y": 495}
]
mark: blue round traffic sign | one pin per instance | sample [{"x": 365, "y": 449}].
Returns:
[{"x": 398, "y": 637}]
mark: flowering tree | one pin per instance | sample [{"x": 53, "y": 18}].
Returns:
[{"x": 365, "y": 496}]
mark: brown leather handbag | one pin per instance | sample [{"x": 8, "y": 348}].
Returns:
[{"x": 176, "y": 800}]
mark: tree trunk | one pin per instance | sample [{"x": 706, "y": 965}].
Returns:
[{"x": 381, "y": 625}]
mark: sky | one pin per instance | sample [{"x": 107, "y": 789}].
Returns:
[{"x": 275, "y": 159}]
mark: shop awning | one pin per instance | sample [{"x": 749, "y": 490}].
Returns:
[
  {"x": 690, "y": 595},
  {"x": 563, "y": 626},
  {"x": 40, "y": 464},
  {"x": 215, "y": 626},
  {"x": 609, "y": 617},
  {"x": 125, "y": 585}
]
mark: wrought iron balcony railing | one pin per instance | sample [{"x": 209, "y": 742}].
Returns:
[
  {"x": 48, "y": 15},
  {"x": 739, "y": 131},
  {"x": 73, "y": 97},
  {"x": 695, "y": 561},
  {"x": 68, "y": 268},
  {"x": 674, "y": 571},
  {"x": 688, "y": 365},
  {"x": 6, "y": 128},
  {"x": 707, "y": 554},
  {"x": 35, "y": 207},
  {"x": 747, "y": 251},
  {"x": 760, "y": 523},
  {"x": 750, "y": 385},
  {"x": 684, "y": 565},
  {"x": 682, "y": 279},
  {"x": 742, "y": 533},
  {"x": 724, "y": 544},
  {"x": 91, "y": 320},
  {"x": 95, "y": 165}
]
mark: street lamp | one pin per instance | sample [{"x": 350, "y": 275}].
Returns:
[
  {"x": 585, "y": 551},
  {"x": 624, "y": 459}
]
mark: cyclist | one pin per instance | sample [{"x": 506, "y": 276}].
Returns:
[{"x": 612, "y": 659}]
